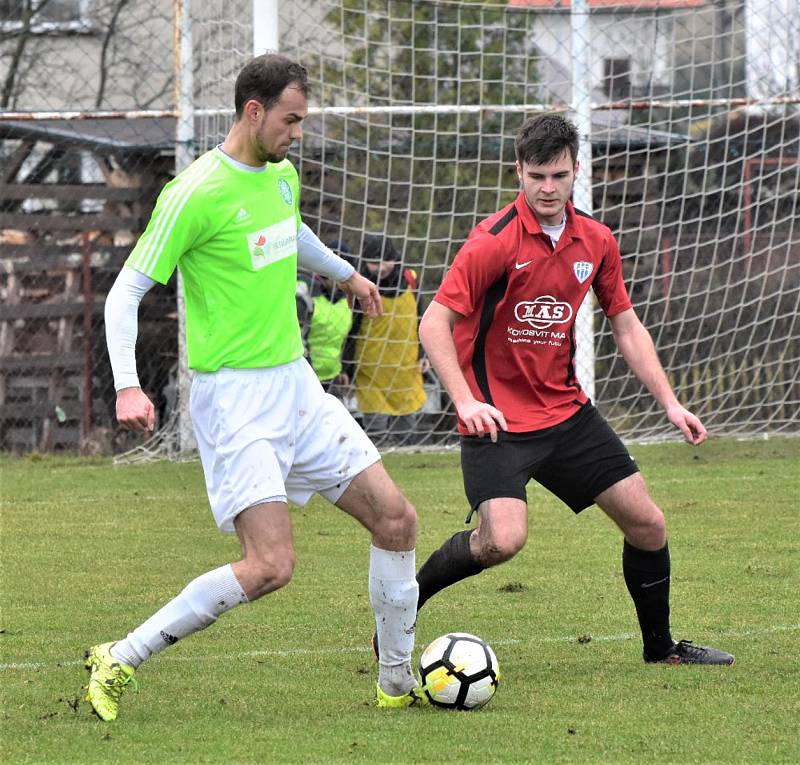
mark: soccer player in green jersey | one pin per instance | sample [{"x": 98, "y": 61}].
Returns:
[{"x": 266, "y": 431}]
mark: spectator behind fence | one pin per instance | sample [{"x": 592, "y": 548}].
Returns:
[
  {"x": 326, "y": 317},
  {"x": 385, "y": 350}
]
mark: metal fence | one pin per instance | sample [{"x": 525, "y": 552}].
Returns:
[{"x": 695, "y": 145}]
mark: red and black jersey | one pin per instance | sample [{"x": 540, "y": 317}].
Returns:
[{"x": 518, "y": 299}]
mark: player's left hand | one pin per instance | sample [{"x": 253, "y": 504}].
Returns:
[
  {"x": 362, "y": 289},
  {"x": 691, "y": 427}
]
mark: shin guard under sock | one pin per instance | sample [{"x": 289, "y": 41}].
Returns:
[
  {"x": 647, "y": 576},
  {"x": 451, "y": 563}
]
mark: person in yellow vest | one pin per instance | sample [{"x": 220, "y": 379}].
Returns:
[
  {"x": 326, "y": 318},
  {"x": 385, "y": 350}
]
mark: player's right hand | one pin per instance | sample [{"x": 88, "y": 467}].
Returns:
[
  {"x": 135, "y": 410},
  {"x": 481, "y": 418},
  {"x": 358, "y": 287}
]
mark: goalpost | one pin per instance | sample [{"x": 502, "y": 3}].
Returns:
[{"x": 689, "y": 114}]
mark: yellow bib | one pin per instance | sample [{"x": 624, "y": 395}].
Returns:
[{"x": 388, "y": 380}]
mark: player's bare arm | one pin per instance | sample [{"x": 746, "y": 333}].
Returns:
[
  {"x": 636, "y": 347},
  {"x": 135, "y": 410},
  {"x": 436, "y": 336},
  {"x": 362, "y": 289}
]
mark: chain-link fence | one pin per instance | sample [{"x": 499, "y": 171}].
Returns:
[
  {"x": 75, "y": 194},
  {"x": 695, "y": 140}
]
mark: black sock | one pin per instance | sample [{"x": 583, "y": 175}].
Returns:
[
  {"x": 647, "y": 577},
  {"x": 451, "y": 563}
]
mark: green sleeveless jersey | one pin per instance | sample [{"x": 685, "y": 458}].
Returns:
[{"x": 232, "y": 233}]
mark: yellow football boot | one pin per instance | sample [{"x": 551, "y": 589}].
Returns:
[
  {"x": 108, "y": 678},
  {"x": 414, "y": 698}
]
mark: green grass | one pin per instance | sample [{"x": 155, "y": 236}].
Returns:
[{"x": 90, "y": 550}]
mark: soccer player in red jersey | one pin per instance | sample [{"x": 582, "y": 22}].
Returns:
[{"x": 500, "y": 333}]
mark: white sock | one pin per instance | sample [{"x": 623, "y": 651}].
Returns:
[
  {"x": 393, "y": 593},
  {"x": 198, "y": 606}
]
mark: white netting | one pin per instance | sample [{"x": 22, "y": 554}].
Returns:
[{"x": 695, "y": 146}]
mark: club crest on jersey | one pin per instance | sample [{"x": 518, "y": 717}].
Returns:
[
  {"x": 286, "y": 191},
  {"x": 543, "y": 312},
  {"x": 582, "y": 270}
]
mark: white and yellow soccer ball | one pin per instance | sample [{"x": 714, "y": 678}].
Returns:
[{"x": 459, "y": 671}]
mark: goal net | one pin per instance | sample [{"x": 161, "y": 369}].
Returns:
[{"x": 694, "y": 124}]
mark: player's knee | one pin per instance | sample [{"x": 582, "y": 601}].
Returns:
[
  {"x": 396, "y": 528},
  {"x": 658, "y": 530},
  {"x": 500, "y": 549},
  {"x": 283, "y": 572},
  {"x": 270, "y": 575},
  {"x": 650, "y": 532}
]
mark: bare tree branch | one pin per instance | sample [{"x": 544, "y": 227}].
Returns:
[
  {"x": 23, "y": 36},
  {"x": 107, "y": 37},
  {"x": 16, "y": 56}
]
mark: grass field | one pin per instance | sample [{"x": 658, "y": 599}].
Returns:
[{"x": 90, "y": 550}]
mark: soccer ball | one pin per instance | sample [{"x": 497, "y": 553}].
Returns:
[{"x": 459, "y": 671}]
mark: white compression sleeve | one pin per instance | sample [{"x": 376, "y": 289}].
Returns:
[
  {"x": 122, "y": 324},
  {"x": 314, "y": 256}
]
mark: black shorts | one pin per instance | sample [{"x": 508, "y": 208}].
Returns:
[{"x": 576, "y": 460}]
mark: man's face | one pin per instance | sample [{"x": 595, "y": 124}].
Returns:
[
  {"x": 280, "y": 126},
  {"x": 548, "y": 187},
  {"x": 379, "y": 269}
]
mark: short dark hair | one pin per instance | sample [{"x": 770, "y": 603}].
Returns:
[
  {"x": 542, "y": 139},
  {"x": 379, "y": 248},
  {"x": 265, "y": 77}
]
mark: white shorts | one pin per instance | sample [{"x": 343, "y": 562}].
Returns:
[{"x": 272, "y": 435}]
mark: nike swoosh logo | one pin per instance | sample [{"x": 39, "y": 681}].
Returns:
[
  {"x": 653, "y": 584},
  {"x": 522, "y": 265}
]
